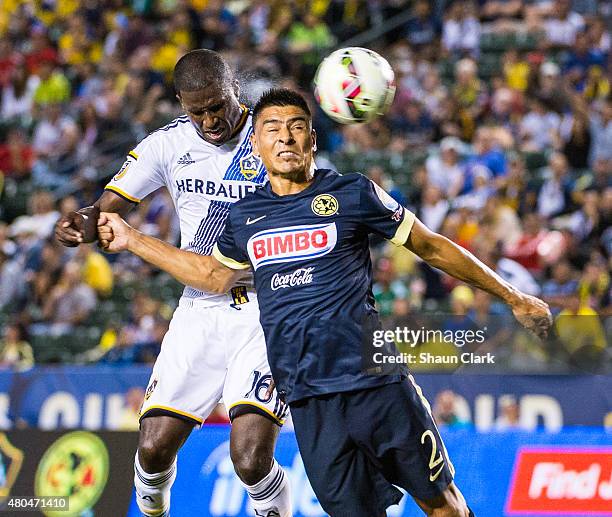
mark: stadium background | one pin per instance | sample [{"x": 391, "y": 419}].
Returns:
[{"x": 500, "y": 137}]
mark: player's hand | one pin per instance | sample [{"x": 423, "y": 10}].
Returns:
[
  {"x": 533, "y": 314},
  {"x": 113, "y": 233},
  {"x": 77, "y": 227}
]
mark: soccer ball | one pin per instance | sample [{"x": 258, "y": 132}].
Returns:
[{"x": 354, "y": 85}]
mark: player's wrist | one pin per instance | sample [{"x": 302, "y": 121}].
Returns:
[{"x": 134, "y": 239}]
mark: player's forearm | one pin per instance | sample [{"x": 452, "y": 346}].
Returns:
[
  {"x": 459, "y": 263},
  {"x": 187, "y": 267},
  {"x": 111, "y": 202}
]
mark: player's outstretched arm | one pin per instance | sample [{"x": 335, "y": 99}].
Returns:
[
  {"x": 80, "y": 226},
  {"x": 442, "y": 253},
  {"x": 200, "y": 271}
]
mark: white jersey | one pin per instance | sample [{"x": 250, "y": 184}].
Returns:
[{"x": 203, "y": 180}]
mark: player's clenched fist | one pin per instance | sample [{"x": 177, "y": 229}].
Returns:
[
  {"x": 77, "y": 227},
  {"x": 113, "y": 233},
  {"x": 533, "y": 314}
]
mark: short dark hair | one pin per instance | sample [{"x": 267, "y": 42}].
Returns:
[
  {"x": 280, "y": 97},
  {"x": 198, "y": 69}
]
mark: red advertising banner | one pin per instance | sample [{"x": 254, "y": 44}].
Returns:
[{"x": 561, "y": 481}]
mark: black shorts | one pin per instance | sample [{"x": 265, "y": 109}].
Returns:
[{"x": 357, "y": 445}]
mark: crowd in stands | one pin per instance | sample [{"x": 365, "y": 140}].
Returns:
[{"x": 500, "y": 138}]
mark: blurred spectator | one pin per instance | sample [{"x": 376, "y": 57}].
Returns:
[
  {"x": 509, "y": 414},
  {"x": 470, "y": 94},
  {"x": 18, "y": 95},
  {"x": 510, "y": 270},
  {"x": 563, "y": 25},
  {"x": 307, "y": 40},
  {"x": 130, "y": 416},
  {"x": 580, "y": 61},
  {"x": 581, "y": 333},
  {"x": 11, "y": 284},
  {"x": 386, "y": 288},
  {"x": 516, "y": 70},
  {"x": 575, "y": 134},
  {"x": 54, "y": 87},
  {"x": 218, "y": 24},
  {"x": 434, "y": 208},
  {"x": 421, "y": 28},
  {"x": 445, "y": 410},
  {"x": 461, "y": 30},
  {"x": 601, "y": 132},
  {"x": 15, "y": 351},
  {"x": 414, "y": 124},
  {"x": 40, "y": 219},
  {"x": 97, "y": 272},
  {"x": 444, "y": 170},
  {"x": 538, "y": 127},
  {"x": 525, "y": 249},
  {"x": 16, "y": 155},
  {"x": 68, "y": 304},
  {"x": 560, "y": 287},
  {"x": 555, "y": 195}
]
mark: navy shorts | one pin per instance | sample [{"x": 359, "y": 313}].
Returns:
[{"x": 356, "y": 445}]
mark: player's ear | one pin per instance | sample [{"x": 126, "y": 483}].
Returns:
[
  {"x": 254, "y": 145},
  {"x": 314, "y": 141},
  {"x": 236, "y": 88}
]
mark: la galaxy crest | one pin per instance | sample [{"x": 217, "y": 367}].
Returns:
[{"x": 249, "y": 166}]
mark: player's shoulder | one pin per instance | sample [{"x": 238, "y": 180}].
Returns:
[
  {"x": 174, "y": 131},
  {"x": 336, "y": 181}
]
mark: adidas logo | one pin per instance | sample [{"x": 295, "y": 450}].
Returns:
[{"x": 185, "y": 160}]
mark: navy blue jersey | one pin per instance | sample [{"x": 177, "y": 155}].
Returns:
[{"x": 313, "y": 275}]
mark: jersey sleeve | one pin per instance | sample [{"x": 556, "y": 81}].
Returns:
[
  {"x": 383, "y": 215},
  {"x": 141, "y": 173},
  {"x": 227, "y": 251}
]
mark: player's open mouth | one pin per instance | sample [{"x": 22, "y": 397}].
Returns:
[
  {"x": 287, "y": 154},
  {"x": 216, "y": 134}
]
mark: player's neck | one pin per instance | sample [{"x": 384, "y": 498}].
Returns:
[{"x": 285, "y": 185}]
